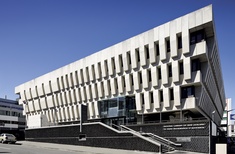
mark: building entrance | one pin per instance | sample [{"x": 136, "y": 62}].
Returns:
[{"x": 118, "y": 111}]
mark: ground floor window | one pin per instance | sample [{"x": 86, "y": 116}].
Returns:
[{"x": 119, "y": 110}]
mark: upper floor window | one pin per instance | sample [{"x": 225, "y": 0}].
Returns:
[
  {"x": 132, "y": 80},
  {"x": 169, "y": 70},
  {"x": 157, "y": 48},
  {"x": 137, "y": 52},
  {"x": 106, "y": 67},
  {"x": 142, "y": 97},
  {"x": 159, "y": 73},
  {"x": 149, "y": 75},
  {"x": 146, "y": 50},
  {"x": 120, "y": 60},
  {"x": 129, "y": 57},
  {"x": 123, "y": 81},
  {"x": 168, "y": 46},
  {"x": 151, "y": 97},
  {"x": 161, "y": 95},
  {"x": 196, "y": 65},
  {"x": 140, "y": 77},
  {"x": 171, "y": 94},
  {"x": 187, "y": 91},
  {"x": 113, "y": 63},
  {"x": 181, "y": 65},
  {"x": 197, "y": 37},
  {"x": 179, "y": 42}
]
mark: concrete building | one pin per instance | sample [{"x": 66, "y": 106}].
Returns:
[
  {"x": 171, "y": 73},
  {"x": 11, "y": 118}
]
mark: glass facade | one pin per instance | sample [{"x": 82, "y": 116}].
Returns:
[{"x": 119, "y": 110}]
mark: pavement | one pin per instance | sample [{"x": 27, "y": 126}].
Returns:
[
  {"x": 183, "y": 152},
  {"x": 91, "y": 150}
]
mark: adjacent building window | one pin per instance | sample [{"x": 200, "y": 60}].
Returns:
[
  {"x": 187, "y": 92},
  {"x": 197, "y": 37}
]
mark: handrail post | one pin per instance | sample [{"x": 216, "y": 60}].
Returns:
[{"x": 160, "y": 149}]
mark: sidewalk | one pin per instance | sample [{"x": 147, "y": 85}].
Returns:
[
  {"x": 92, "y": 150},
  {"x": 83, "y": 149}
]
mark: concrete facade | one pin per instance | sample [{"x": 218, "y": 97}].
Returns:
[{"x": 172, "y": 71}]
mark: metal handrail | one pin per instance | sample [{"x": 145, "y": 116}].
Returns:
[
  {"x": 163, "y": 139},
  {"x": 161, "y": 142},
  {"x": 153, "y": 135}
]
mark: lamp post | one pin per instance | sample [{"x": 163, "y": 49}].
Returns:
[
  {"x": 142, "y": 113},
  {"x": 227, "y": 119},
  {"x": 213, "y": 119},
  {"x": 80, "y": 118},
  {"x": 160, "y": 112}
]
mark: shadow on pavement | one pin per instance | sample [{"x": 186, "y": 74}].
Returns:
[{"x": 18, "y": 143}]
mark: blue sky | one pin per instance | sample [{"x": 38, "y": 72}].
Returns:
[{"x": 38, "y": 36}]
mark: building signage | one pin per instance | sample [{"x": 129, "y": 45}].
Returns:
[
  {"x": 184, "y": 126},
  {"x": 232, "y": 116},
  {"x": 183, "y": 139}
]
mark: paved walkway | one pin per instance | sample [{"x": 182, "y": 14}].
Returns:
[
  {"x": 91, "y": 150},
  {"x": 83, "y": 149}
]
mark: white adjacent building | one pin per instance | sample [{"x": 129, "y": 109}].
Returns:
[
  {"x": 11, "y": 115},
  {"x": 169, "y": 73},
  {"x": 12, "y": 119},
  {"x": 227, "y": 122}
]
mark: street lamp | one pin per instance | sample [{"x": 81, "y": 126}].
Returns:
[
  {"x": 142, "y": 113},
  {"x": 213, "y": 115},
  {"x": 227, "y": 119},
  {"x": 160, "y": 112}
]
